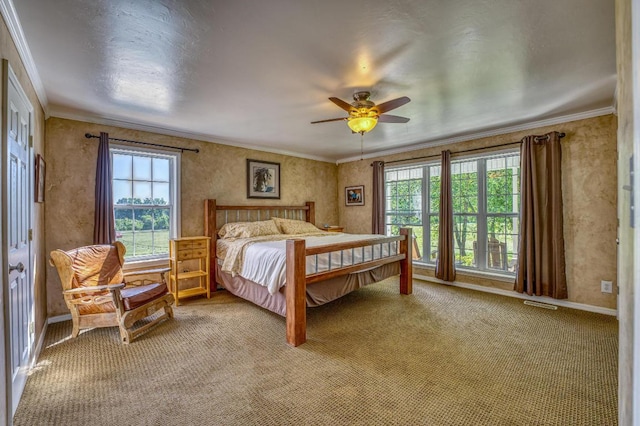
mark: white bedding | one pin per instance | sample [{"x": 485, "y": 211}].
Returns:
[{"x": 264, "y": 262}]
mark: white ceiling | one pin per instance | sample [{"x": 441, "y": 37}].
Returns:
[{"x": 256, "y": 73}]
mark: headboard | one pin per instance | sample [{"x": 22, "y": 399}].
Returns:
[{"x": 217, "y": 215}]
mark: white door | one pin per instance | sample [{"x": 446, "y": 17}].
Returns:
[{"x": 17, "y": 189}]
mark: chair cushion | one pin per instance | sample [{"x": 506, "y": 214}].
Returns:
[
  {"x": 134, "y": 297},
  {"x": 96, "y": 265}
]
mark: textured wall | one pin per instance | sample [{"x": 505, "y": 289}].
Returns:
[
  {"x": 589, "y": 191},
  {"x": 218, "y": 171},
  {"x": 9, "y": 51},
  {"x": 626, "y": 234}
]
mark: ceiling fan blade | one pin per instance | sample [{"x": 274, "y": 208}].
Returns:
[
  {"x": 342, "y": 104},
  {"x": 386, "y": 118},
  {"x": 392, "y": 104},
  {"x": 331, "y": 119}
]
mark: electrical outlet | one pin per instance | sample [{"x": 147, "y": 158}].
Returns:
[{"x": 606, "y": 286}]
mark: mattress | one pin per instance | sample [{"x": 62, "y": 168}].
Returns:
[{"x": 263, "y": 261}]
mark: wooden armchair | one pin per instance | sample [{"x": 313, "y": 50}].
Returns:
[
  {"x": 97, "y": 294},
  {"x": 496, "y": 254}
]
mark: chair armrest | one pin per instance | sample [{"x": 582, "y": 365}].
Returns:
[
  {"x": 142, "y": 281},
  {"x": 147, "y": 272},
  {"x": 93, "y": 289}
]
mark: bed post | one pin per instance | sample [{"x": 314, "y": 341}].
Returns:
[
  {"x": 210, "y": 227},
  {"x": 406, "y": 264},
  {"x": 296, "y": 293},
  {"x": 311, "y": 212}
]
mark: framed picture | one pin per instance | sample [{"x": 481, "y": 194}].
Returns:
[
  {"x": 39, "y": 180},
  {"x": 263, "y": 179},
  {"x": 354, "y": 195}
]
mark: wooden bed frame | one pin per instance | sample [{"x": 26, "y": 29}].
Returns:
[{"x": 296, "y": 276}]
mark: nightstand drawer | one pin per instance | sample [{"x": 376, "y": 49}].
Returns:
[
  {"x": 184, "y": 254},
  {"x": 192, "y": 254},
  {"x": 199, "y": 244},
  {"x": 202, "y": 252},
  {"x": 191, "y": 244},
  {"x": 184, "y": 245}
]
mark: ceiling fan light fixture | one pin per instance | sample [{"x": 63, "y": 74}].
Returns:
[
  {"x": 362, "y": 124},
  {"x": 364, "y": 114}
]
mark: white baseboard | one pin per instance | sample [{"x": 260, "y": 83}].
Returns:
[
  {"x": 59, "y": 318},
  {"x": 38, "y": 348},
  {"x": 542, "y": 299},
  {"x": 33, "y": 359}
]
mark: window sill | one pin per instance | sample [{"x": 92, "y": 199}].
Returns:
[
  {"x": 145, "y": 264},
  {"x": 472, "y": 273}
]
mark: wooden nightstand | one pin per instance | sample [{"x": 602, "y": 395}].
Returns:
[
  {"x": 333, "y": 228},
  {"x": 195, "y": 251}
]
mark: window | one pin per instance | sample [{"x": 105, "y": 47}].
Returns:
[
  {"x": 464, "y": 185},
  {"x": 486, "y": 200},
  {"x": 145, "y": 188},
  {"x": 406, "y": 207},
  {"x": 502, "y": 176}
]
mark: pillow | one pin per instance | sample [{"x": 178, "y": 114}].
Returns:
[
  {"x": 248, "y": 229},
  {"x": 290, "y": 226}
]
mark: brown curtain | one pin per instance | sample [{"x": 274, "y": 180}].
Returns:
[
  {"x": 541, "y": 267},
  {"x": 104, "y": 224},
  {"x": 445, "y": 265},
  {"x": 378, "y": 226}
]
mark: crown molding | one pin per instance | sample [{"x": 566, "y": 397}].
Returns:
[
  {"x": 106, "y": 121},
  {"x": 488, "y": 133},
  {"x": 10, "y": 16},
  {"x": 448, "y": 141}
]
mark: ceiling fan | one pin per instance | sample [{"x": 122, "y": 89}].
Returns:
[{"x": 364, "y": 114}]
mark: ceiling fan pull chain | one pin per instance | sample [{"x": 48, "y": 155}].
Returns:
[{"x": 361, "y": 145}]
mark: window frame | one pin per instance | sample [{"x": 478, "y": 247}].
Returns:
[
  {"x": 481, "y": 216},
  {"x": 174, "y": 201},
  {"x": 517, "y": 214},
  {"x": 426, "y": 213}
]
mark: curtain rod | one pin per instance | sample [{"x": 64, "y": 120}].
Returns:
[
  {"x": 560, "y": 135},
  {"x": 89, "y": 136}
]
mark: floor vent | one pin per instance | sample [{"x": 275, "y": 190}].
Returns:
[{"x": 540, "y": 305}]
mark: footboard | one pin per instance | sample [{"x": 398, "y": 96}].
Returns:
[{"x": 342, "y": 260}]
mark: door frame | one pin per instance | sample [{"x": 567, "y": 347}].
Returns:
[
  {"x": 635, "y": 183},
  {"x": 5, "y": 392}
]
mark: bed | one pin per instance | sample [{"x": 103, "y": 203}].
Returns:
[{"x": 317, "y": 266}]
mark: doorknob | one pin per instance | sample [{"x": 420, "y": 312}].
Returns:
[{"x": 19, "y": 267}]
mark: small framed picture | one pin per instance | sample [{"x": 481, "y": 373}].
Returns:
[
  {"x": 263, "y": 179},
  {"x": 39, "y": 179},
  {"x": 354, "y": 195}
]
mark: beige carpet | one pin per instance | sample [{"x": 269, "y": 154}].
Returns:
[{"x": 442, "y": 356}]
